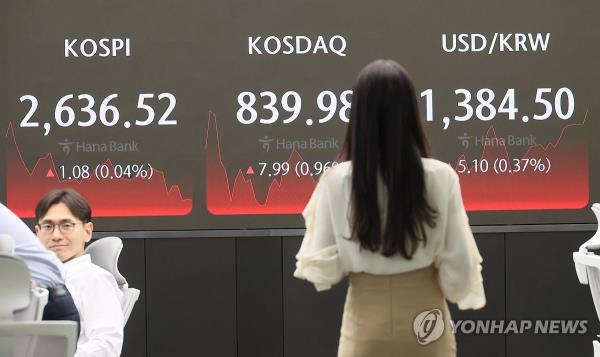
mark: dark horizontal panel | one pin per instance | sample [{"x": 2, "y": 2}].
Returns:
[{"x": 241, "y": 233}]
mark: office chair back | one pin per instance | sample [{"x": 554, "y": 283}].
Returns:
[
  {"x": 7, "y": 245},
  {"x": 15, "y": 282},
  {"x": 38, "y": 296},
  {"x": 587, "y": 267},
  {"x": 35, "y": 310},
  {"x": 28, "y": 338},
  {"x": 594, "y": 281},
  {"x": 105, "y": 253},
  {"x": 38, "y": 339},
  {"x": 590, "y": 263}
]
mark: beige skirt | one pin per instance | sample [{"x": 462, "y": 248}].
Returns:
[{"x": 396, "y": 315}]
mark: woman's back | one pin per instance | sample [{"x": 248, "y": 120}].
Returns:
[
  {"x": 450, "y": 244},
  {"x": 394, "y": 221},
  {"x": 440, "y": 182}
]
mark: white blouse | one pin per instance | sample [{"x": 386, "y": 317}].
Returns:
[{"x": 328, "y": 254}]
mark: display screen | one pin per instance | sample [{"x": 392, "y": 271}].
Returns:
[{"x": 223, "y": 114}]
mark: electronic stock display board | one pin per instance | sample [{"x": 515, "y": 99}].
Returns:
[{"x": 175, "y": 115}]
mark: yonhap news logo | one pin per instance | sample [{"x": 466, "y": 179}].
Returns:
[
  {"x": 519, "y": 327},
  {"x": 428, "y": 326}
]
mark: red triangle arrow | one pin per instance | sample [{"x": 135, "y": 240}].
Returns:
[
  {"x": 250, "y": 171},
  {"x": 50, "y": 173}
]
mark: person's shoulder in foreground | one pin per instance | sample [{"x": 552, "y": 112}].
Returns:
[
  {"x": 343, "y": 170},
  {"x": 45, "y": 268}
]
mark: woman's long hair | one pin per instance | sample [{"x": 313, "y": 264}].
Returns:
[{"x": 385, "y": 142}]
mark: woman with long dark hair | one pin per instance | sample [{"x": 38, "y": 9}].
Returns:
[{"x": 393, "y": 220}]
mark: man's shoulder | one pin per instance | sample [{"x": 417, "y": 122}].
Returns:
[
  {"x": 88, "y": 273},
  {"x": 101, "y": 272}
]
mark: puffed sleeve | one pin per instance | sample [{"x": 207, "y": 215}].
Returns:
[
  {"x": 317, "y": 260},
  {"x": 459, "y": 262}
]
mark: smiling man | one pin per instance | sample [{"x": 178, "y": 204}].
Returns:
[{"x": 64, "y": 226}]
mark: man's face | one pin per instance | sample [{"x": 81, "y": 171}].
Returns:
[{"x": 63, "y": 233}]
